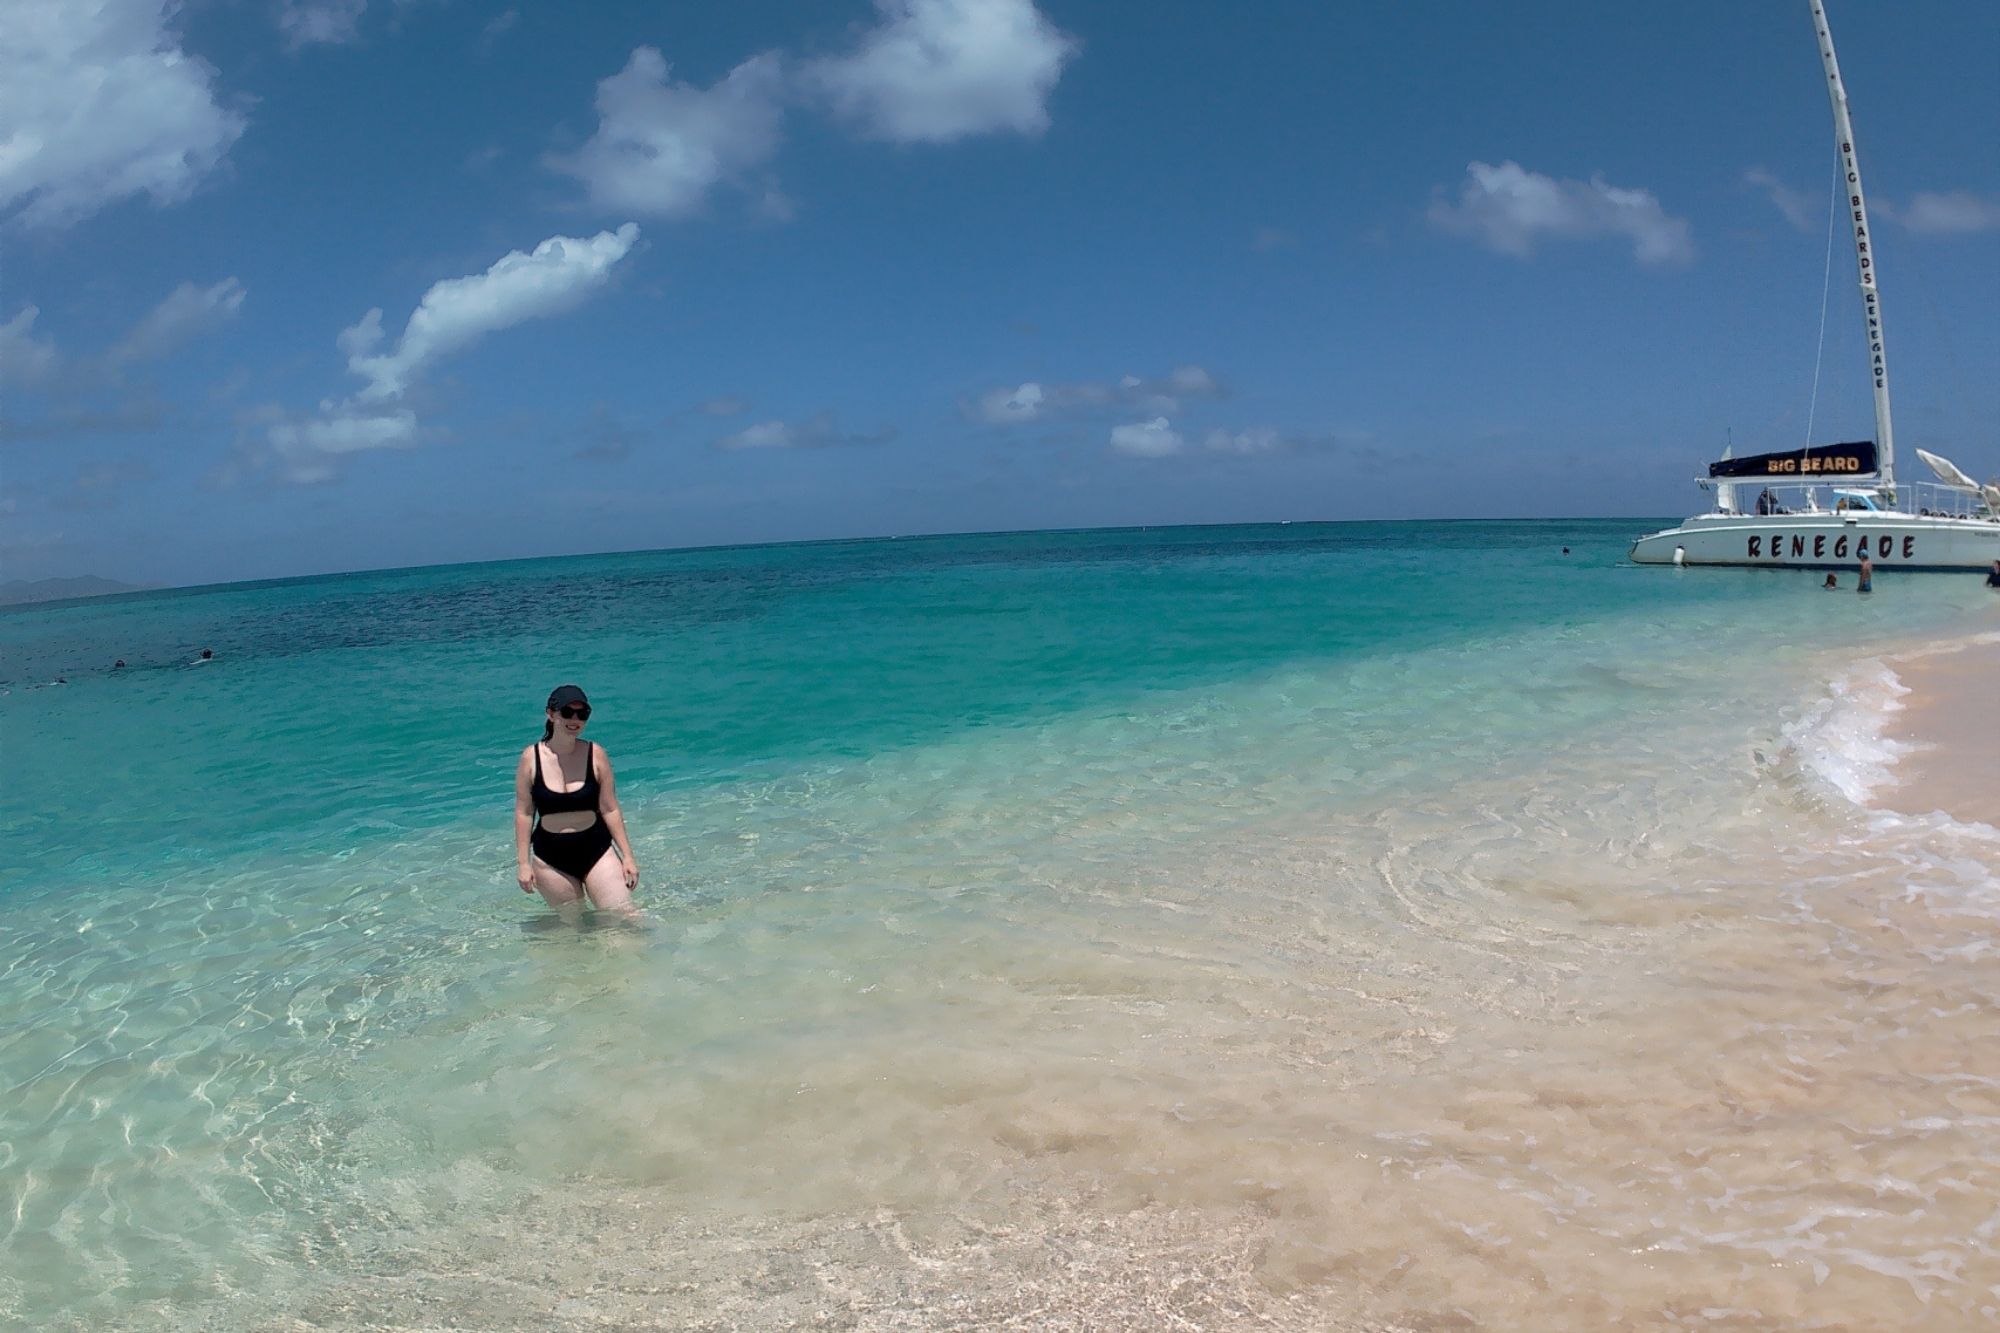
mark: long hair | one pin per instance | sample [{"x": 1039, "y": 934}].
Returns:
[{"x": 548, "y": 728}]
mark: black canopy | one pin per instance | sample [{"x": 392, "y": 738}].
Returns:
[{"x": 1814, "y": 462}]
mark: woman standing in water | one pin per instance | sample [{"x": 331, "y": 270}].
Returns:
[{"x": 566, "y": 818}]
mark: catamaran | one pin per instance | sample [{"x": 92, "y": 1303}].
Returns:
[{"x": 1822, "y": 506}]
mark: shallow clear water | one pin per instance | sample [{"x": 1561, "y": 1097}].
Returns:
[{"x": 1423, "y": 912}]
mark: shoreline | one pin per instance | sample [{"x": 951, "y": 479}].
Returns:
[{"x": 1950, "y": 728}]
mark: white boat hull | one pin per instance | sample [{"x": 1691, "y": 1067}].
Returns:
[{"x": 1825, "y": 541}]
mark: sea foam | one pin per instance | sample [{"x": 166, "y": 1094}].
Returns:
[{"x": 1843, "y": 739}]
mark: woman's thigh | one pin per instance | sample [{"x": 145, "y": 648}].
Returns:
[
  {"x": 606, "y": 885},
  {"x": 557, "y": 889}
]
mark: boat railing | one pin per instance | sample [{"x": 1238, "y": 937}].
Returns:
[{"x": 1926, "y": 499}]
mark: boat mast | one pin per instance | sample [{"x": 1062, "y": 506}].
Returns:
[{"x": 1871, "y": 302}]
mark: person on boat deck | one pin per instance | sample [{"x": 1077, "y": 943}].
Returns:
[
  {"x": 1867, "y": 575},
  {"x": 566, "y": 817},
  {"x": 1832, "y": 581},
  {"x": 1764, "y": 502}
]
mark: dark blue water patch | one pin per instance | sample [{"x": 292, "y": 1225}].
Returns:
[{"x": 588, "y": 594}]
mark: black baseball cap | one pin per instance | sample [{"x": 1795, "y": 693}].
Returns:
[{"x": 567, "y": 694}]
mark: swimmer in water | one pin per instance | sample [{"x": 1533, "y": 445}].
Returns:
[{"x": 566, "y": 817}]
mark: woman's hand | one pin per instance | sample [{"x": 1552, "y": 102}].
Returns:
[
  {"x": 524, "y": 875},
  {"x": 631, "y": 875}
]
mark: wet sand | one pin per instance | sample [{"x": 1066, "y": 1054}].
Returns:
[{"x": 1951, "y": 721}]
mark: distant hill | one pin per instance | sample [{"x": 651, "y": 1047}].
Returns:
[{"x": 15, "y": 591}]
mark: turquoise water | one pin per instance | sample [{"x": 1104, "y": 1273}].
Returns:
[
  {"x": 953, "y": 848},
  {"x": 390, "y": 701}
]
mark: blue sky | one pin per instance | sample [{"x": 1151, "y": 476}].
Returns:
[{"x": 293, "y": 286}]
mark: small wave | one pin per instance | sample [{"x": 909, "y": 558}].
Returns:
[
  {"x": 1843, "y": 741},
  {"x": 1844, "y": 750}
]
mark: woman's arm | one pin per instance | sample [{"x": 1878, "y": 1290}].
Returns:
[
  {"x": 524, "y": 819},
  {"x": 607, "y": 810}
]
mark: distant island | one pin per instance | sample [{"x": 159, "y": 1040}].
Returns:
[{"x": 15, "y": 591}]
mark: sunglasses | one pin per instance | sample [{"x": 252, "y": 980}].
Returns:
[{"x": 581, "y": 712}]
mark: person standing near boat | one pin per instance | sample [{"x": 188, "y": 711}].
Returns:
[
  {"x": 566, "y": 817},
  {"x": 1993, "y": 575},
  {"x": 1867, "y": 574}
]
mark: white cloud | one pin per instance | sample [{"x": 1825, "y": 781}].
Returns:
[
  {"x": 1004, "y": 406},
  {"x": 188, "y": 312},
  {"x": 660, "y": 146},
  {"x": 728, "y": 405},
  {"x": 321, "y": 22},
  {"x": 815, "y": 432},
  {"x": 308, "y": 450},
  {"x": 1259, "y": 440},
  {"x": 1954, "y": 211},
  {"x": 1032, "y": 401},
  {"x": 763, "y": 435},
  {"x": 361, "y": 337},
  {"x": 498, "y": 27},
  {"x": 1509, "y": 209},
  {"x": 1794, "y": 204},
  {"x": 1193, "y": 382},
  {"x": 347, "y": 432},
  {"x": 1151, "y": 439},
  {"x": 23, "y": 358},
  {"x": 556, "y": 276},
  {"x": 98, "y": 102},
  {"x": 772, "y": 204},
  {"x": 939, "y": 70}
]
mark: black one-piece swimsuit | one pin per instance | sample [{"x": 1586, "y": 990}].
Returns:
[{"x": 572, "y": 853}]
